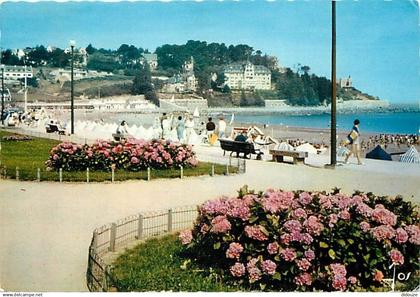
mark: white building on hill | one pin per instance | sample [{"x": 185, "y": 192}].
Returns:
[
  {"x": 247, "y": 76},
  {"x": 346, "y": 82},
  {"x": 151, "y": 59},
  {"x": 16, "y": 72}
]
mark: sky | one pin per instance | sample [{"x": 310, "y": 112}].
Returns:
[{"x": 378, "y": 42}]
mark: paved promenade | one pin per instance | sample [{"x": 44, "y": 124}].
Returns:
[{"x": 46, "y": 228}]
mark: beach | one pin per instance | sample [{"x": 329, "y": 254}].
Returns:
[{"x": 281, "y": 132}]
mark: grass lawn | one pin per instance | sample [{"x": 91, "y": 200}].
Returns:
[
  {"x": 157, "y": 265},
  {"x": 32, "y": 154}
]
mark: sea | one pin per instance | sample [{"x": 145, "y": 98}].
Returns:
[{"x": 372, "y": 122}]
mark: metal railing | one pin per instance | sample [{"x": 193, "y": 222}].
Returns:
[{"x": 115, "y": 236}]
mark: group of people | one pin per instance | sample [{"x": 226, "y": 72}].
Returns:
[
  {"x": 213, "y": 131},
  {"x": 183, "y": 124},
  {"x": 391, "y": 139}
]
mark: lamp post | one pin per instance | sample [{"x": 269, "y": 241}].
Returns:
[
  {"x": 72, "y": 44},
  {"x": 333, "y": 92},
  {"x": 26, "y": 91},
  {"x": 2, "y": 95}
]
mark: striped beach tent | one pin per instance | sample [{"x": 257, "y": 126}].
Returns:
[
  {"x": 410, "y": 156},
  {"x": 342, "y": 151}
]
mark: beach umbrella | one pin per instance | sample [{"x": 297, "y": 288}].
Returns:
[
  {"x": 379, "y": 154},
  {"x": 410, "y": 156},
  {"x": 307, "y": 147},
  {"x": 284, "y": 146},
  {"x": 342, "y": 151}
]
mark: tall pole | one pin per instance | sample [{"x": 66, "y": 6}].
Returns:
[
  {"x": 72, "y": 91},
  {"x": 2, "y": 95},
  {"x": 26, "y": 90},
  {"x": 333, "y": 92}
]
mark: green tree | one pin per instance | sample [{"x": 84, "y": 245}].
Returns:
[
  {"x": 142, "y": 84},
  {"x": 102, "y": 62},
  {"x": 244, "y": 100},
  {"x": 90, "y": 49},
  {"x": 226, "y": 89},
  {"x": 8, "y": 58}
]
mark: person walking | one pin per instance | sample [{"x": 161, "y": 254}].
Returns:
[
  {"x": 222, "y": 127},
  {"x": 354, "y": 139},
  {"x": 210, "y": 126},
  {"x": 189, "y": 128},
  {"x": 166, "y": 126},
  {"x": 180, "y": 128}
]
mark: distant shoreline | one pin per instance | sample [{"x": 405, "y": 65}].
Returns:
[{"x": 343, "y": 108}]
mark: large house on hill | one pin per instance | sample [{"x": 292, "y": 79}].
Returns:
[{"x": 247, "y": 76}]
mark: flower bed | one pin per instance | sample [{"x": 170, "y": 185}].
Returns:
[
  {"x": 132, "y": 155},
  {"x": 16, "y": 137},
  {"x": 305, "y": 241}
]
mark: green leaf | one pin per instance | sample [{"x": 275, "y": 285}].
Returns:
[
  {"x": 373, "y": 262},
  {"x": 262, "y": 286},
  {"x": 216, "y": 246},
  {"x": 341, "y": 242},
  {"x": 351, "y": 241},
  {"x": 323, "y": 244},
  {"x": 263, "y": 230},
  {"x": 253, "y": 219},
  {"x": 226, "y": 238},
  {"x": 352, "y": 260},
  {"x": 331, "y": 253},
  {"x": 366, "y": 257},
  {"x": 277, "y": 276}
]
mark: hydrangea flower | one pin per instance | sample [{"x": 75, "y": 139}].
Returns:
[
  {"x": 414, "y": 232},
  {"x": 384, "y": 216},
  {"x": 268, "y": 267},
  {"x": 304, "y": 279},
  {"x": 305, "y": 198},
  {"x": 237, "y": 270},
  {"x": 293, "y": 226},
  {"x": 396, "y": 257},
  {"x": 273, "y": 248},
  {"x": 255, "y": 232},
  {"x": 186, "y": 237},
  {"x": 401, "y": 236},
  {"x": 383, "y": 232},
  {"x": 310, "y": 255},
  {"x": 378, "y": 276},
  {"x": 234, "y": 251},
  {"x": 220, "y": 224},
  {"x": 303, "y": 264},
  {"x": 288, "y": 254}
]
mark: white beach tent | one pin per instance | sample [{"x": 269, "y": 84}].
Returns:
[
  {"x": 410, "y": 156},
  {"x": 342, "y": 151},
  {"x": 307, "y": 147},
  {"x": 196, "y": 114},
  {"x": 284, "y": 146}
]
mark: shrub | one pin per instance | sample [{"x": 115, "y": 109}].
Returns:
[
  {"x": 305, "y": 241},
  {"x": 132, "y": 155}
]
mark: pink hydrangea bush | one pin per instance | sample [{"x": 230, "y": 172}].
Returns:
[
  {"x": 133, "y": 155},
  {"x": 305, "y": 241}
]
